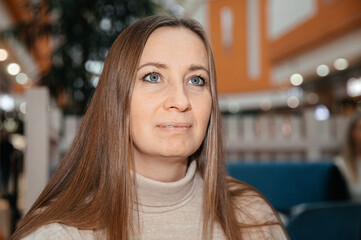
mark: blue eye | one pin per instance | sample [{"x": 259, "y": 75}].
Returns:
[
  {"x": 152, "y": 77},
  {"x": 197, "y": 80}
]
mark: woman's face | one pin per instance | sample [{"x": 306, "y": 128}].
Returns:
[{"x": 171, "y": 101}]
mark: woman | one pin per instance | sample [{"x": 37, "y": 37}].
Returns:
[
  {"x": 147, "y": 162},
  {"x": 350, "y": 163}
]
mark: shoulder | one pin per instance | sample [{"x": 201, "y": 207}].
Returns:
[
  {"x": 251, "y": 206},
  {"x": 57, "y": 231}
]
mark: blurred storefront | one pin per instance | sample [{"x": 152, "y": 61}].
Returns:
[{"x": 286, "y": 69}]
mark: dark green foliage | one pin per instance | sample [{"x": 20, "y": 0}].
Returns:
[{"x": 82, "y": 30}]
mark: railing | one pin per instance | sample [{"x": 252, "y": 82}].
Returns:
[{"x": 280, "y": 137}]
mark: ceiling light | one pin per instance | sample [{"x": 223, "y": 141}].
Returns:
[
  {"x": 265, "y": 105},
  {"x": 233, "y": 107},
  {"x": 340, "y": 64},
  {"x": 21, "y": 78},
  {"x": 3, "y": 54},
  {"x": 296, "y": 79},
  {"x": 23, "y": 107},
  {"x": 322, "y": 113},
  {"x": 13, "y": 68},
  {"x": 322, "y": 70},
  {"x": 293, "y": 102},
  {"x": 353, "y": 87},
  {"x": 7, "y": 103}
]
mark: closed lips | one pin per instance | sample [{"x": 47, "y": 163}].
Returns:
[{"x": 175, "y": 125}]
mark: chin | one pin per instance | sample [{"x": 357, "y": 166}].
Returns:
[{"x": 177, "y": 153}]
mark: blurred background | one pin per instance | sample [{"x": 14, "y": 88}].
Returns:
[{"x": 289, "y": 80}]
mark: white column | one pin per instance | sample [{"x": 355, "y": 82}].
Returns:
[
  {"x": 249, "y": 130},
  {"x": 38, "y": 140},
  {"x": 313, "y": 136},
  {"x": 253, "y": 39},
  {"x": 227, "y": 28}
]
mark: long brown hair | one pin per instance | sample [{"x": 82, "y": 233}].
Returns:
[
  {"x": 93, "y": 186},
  {"x": 350, "y": 153}
]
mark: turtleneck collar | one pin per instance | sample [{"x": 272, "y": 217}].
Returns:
[{"x": 156, "y": 196}]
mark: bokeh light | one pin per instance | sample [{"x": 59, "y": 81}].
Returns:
[
  {"x": 234, "y": 107},
  {"x": 13, "y": 68},
  {"x": 23, "y": 107},
  {"x": 353, "y": 87},
  {"x": 341, "y": 64},
  {"x": 296, "y": 79},
  {"x": 293, "y": 102},
  {"x": 265, "y": 105},
  {"x": 322, "y": 113},
  {"x": 94, "y": 80},
  {"x": 323, "y": 70},
  {"x": 21, "y": 78},
  {"x": 7, "y": 103},
  {"x": 3, "y": 54}
]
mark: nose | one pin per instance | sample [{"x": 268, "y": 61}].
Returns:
[{"x": 177, "y": 98}]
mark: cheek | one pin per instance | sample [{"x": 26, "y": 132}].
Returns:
[
  {"x": 136, "y": 113},
  {"x": 139, "y": 105},
  {"x": 203, "y": 111},
  {"x": 138, "y": 131},
  {"x": 143, "y": 108}
]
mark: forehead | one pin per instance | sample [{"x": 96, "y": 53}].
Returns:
[{"x": 175, "y": 43}]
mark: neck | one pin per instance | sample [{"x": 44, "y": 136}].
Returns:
[{"x": 161, "y": 169}]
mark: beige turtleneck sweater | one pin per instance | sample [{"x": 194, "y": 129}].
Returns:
[{"x": 174, "y": 211}]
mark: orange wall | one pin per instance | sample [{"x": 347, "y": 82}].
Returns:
[
  {"x": 330, "y": 21},
  {"x": 232, "y": 66}
]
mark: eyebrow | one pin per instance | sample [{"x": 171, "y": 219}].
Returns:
[
  {"x": 198, "y": 67},
  {"x": 192, "y": 67},
  {"x": 154, "y": 64}
]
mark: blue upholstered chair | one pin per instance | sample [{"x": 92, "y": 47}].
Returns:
[
  {"x": 329, "y": 221},
  {"x": 313, "y": 195},
  {"x": 286, "y": 185}
]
